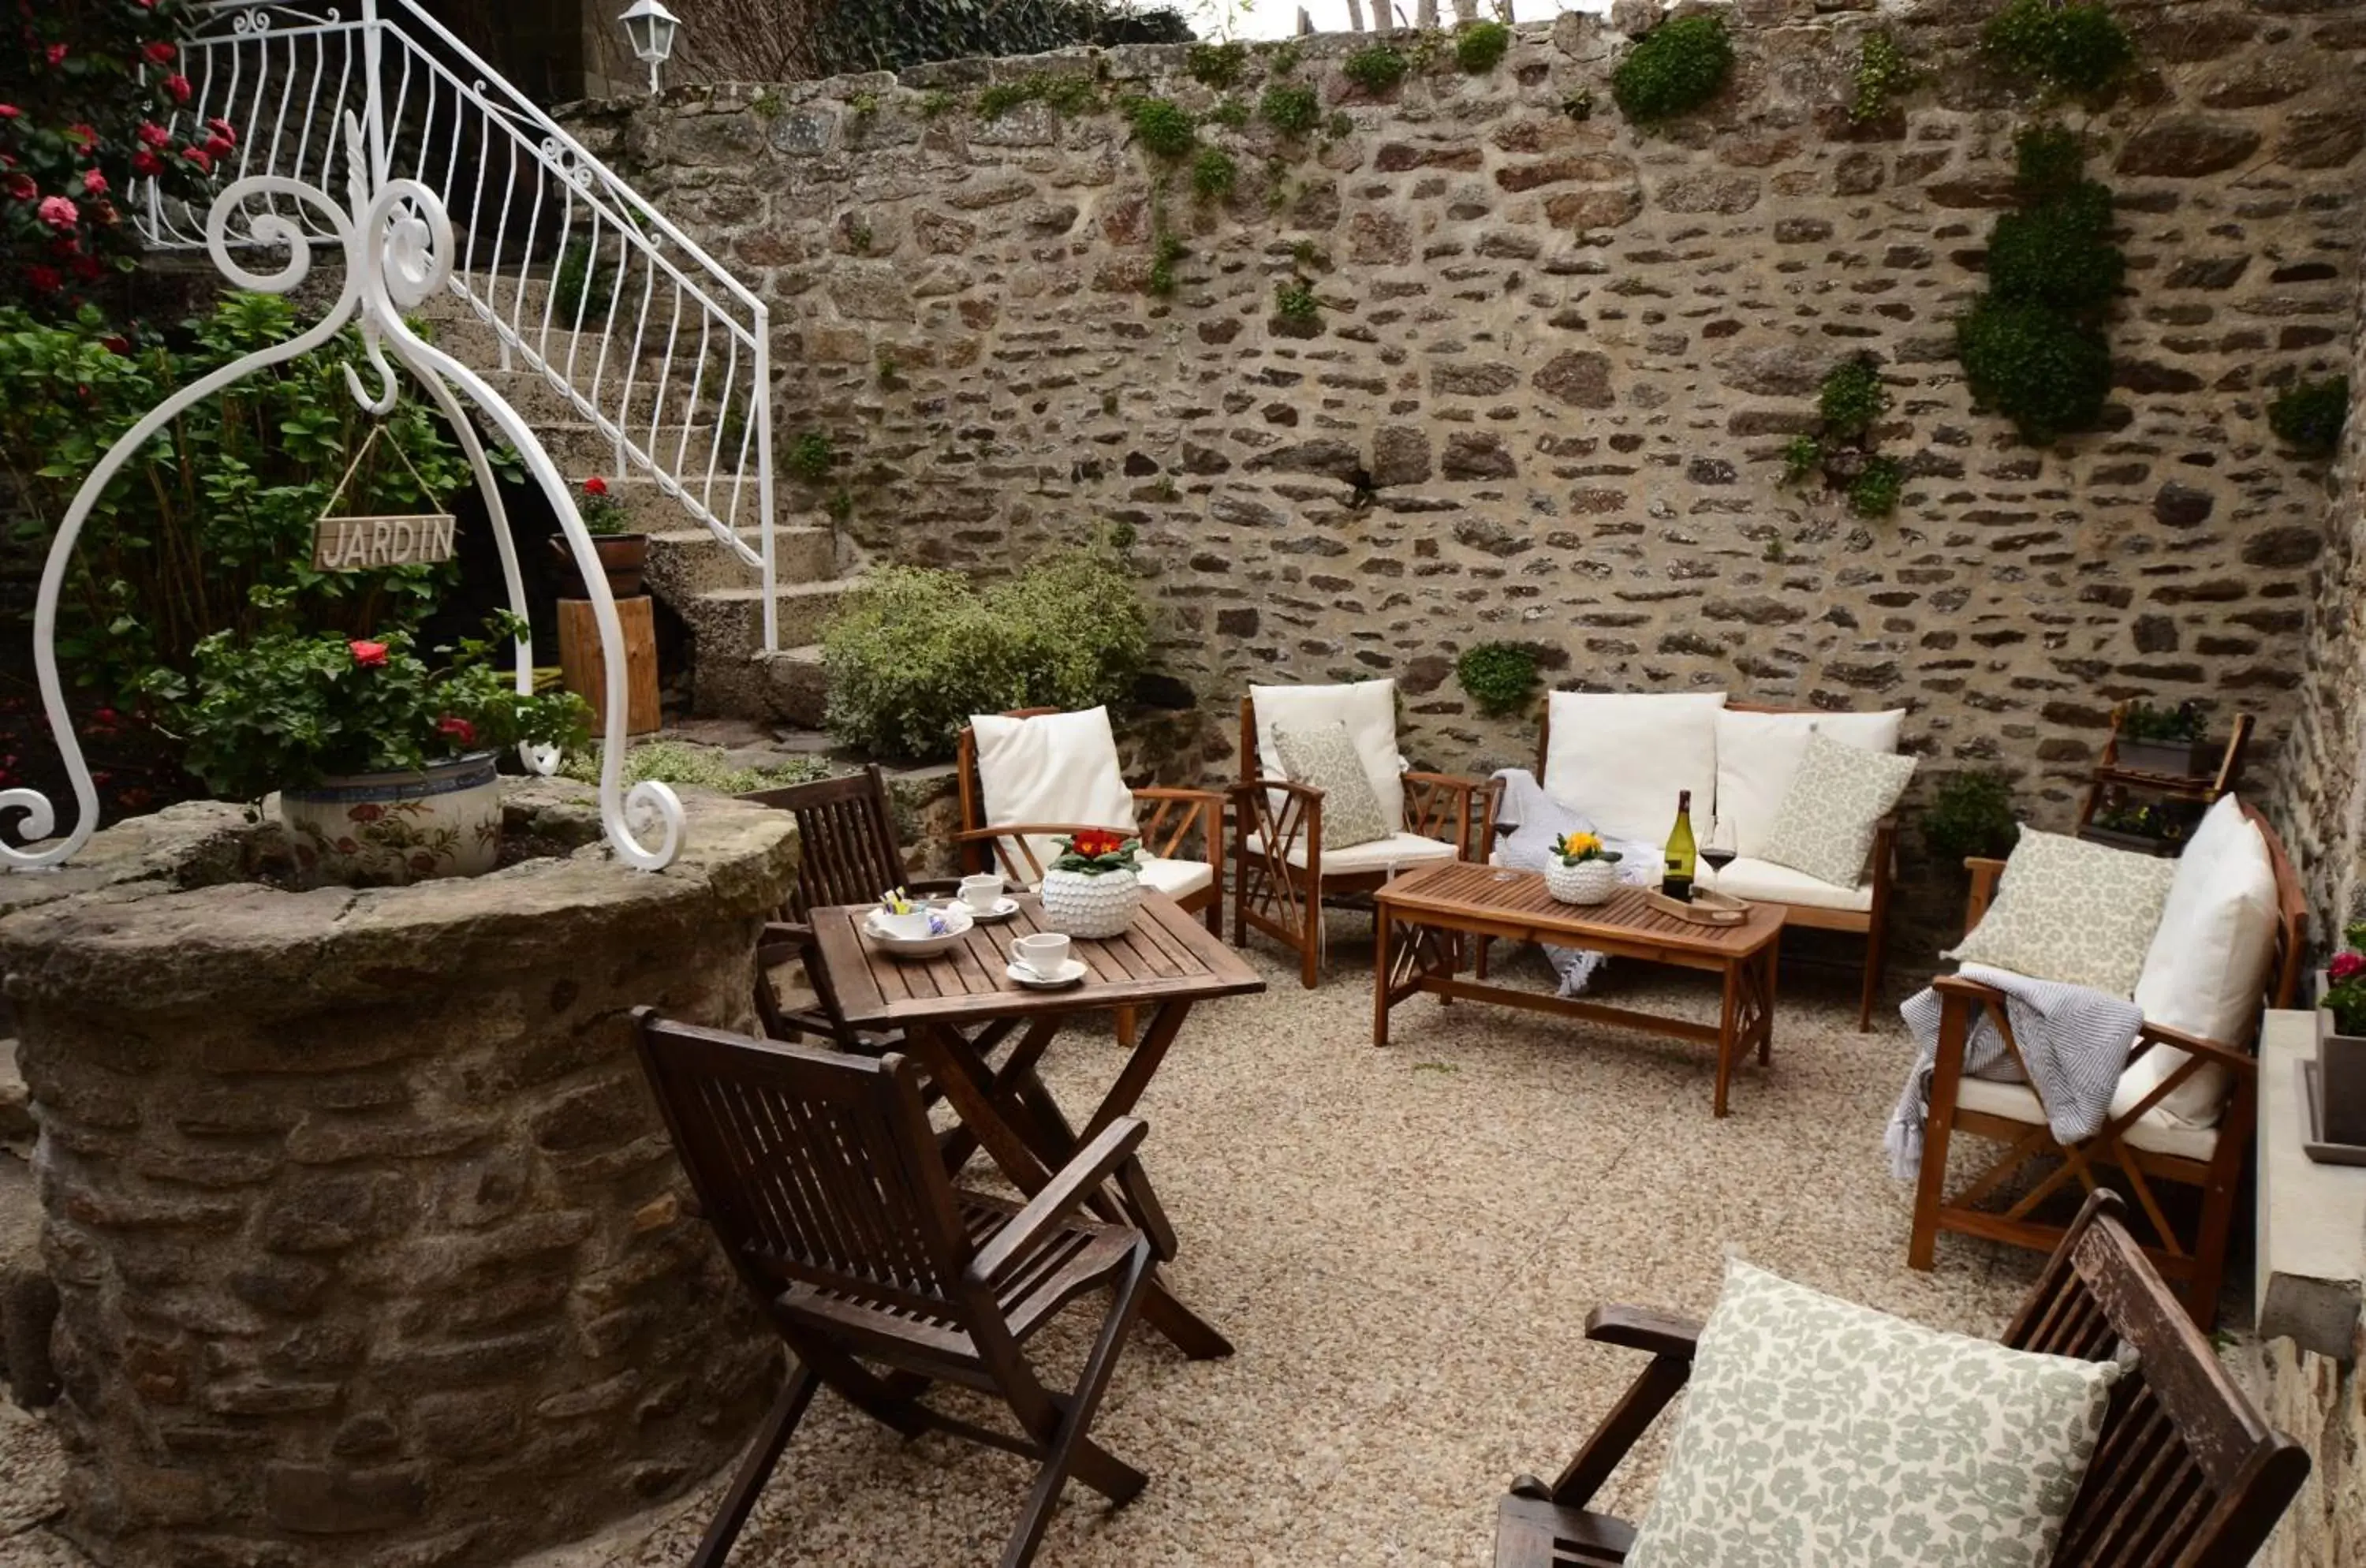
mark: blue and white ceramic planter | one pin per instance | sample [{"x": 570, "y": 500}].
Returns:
[{"x": 442, "y": 820}]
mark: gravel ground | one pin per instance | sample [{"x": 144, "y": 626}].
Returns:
[{"x": 1403, "y": 1245}]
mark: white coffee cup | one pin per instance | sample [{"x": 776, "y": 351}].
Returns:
[
  {"x": 980, "y": 893},
  {"x": 909, "y": 926},
  {"x": 1044, "y": 954}
]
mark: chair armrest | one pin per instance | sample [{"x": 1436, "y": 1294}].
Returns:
[
  {"x": 2153, "y": 1034},
  {"x": 1304, "y": 792},
  {"x": 1432, "y": 796},
  {"x": 1642, "y": 1328},
  {"x": 1202, "y": 808},
  {"x": 1985, "y": 873},
  {"x": 1074, "y": 1183},
  {"x": 1444, "y": 781}
]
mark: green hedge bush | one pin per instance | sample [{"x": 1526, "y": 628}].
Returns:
[
  {"x": 914, "y": 652},
  {"x": 1674, "y": 69},
  {"x": 2308, "y": 415}
]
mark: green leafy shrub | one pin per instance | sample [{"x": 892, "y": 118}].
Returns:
[
  {"x": 1064, "y": 91},
  {"x": 2058, "y": 255},
  {"x": 1802, "y": 455},
  {"x": 702, "y": 767},
  {"x": 1163, "y": 126},
  {"x": 914, "y": 652},
  {"x": 585, "y": 284},
  {"x": 1840, "y": 449},
  {"x": 1293, "y": 111},
  {"x": 1875, "y": 492},
  {"x": 1232, "y": 114},
  {"x": 1480, "y": 47},
  {"x": 1971, "y": 814},
  {"x": 1214, "y": 174},
  {"x": 1218, "y": 66},
  {"x": 1882, "y": 72},
  {"x": 1376, "y": 68},
  {"x": 2185, "y": 722},
  {"x": 2078, "y": 47},
  {"x": 2047, "y": 372},
  {"x": 1296, "y": 304},
  {"x": 2308, "y": 415},
  {"x": 1498, "y": 676},
  {"x": 812, "y": 457},
  {"x": 1281, "y": 59},
  {"x": 1674, "y": 69},
  {"x": 1165, "y": 250},
  {"x": 1851, "y": 398}
]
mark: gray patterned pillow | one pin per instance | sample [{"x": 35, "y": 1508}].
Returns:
[
  {"x": 1821, "y": 1434},
  {"x": 1324, "y": 756},
  {"x": 1826, "y": 824},
  {"x": 2073, "y": 911}
]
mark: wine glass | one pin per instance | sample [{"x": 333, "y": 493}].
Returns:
[{"x": 1718, "y": 849}]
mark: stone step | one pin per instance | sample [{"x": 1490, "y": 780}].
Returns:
[
  {"x": 580, "y": 449},
  {"x": 541, "y": 403},
  {"x": 687, "y": 561},
  {"x": 475, "y": 344},
  {"x": 794, "y": 687},
  {"x": 726, "y": 626}
]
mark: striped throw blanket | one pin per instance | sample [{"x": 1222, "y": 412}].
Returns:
[{"x": 2074, "y": 1038}]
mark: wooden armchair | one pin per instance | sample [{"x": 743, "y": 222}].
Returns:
[
  {"x": 848, "y": 855},
  {"x": 824, "y": 1184},
  {"x": 1282, "y": 874},
  {"x": 2185, "y": 1473},
  {"x": 2136, "y": 1145}
]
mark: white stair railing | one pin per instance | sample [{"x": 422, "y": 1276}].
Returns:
[{"x": 653, "y": 342}]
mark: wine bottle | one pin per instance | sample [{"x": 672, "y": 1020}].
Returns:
[{"x": 1676, "y": 878}]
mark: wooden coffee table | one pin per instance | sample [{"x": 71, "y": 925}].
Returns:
[{"x": 1425, "y": 915}]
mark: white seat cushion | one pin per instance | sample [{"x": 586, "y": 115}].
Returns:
[
  {"x": 1175, "y": 878},
  {"x": 1758, "y": 753},
  {"x": 1368, "y": 709},
  {"x": 1056, "y": 767},
  {"x": 2154, "y": 1132},
  {"x": 1622, "y": 758},
  {"x": 2207, "y": 968},
  {"x": 1393, "y": 852},
  {"x": 1762, "y": 879}
]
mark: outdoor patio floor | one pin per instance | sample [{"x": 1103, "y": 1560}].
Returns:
[{"x": 1404, "y": 1245}]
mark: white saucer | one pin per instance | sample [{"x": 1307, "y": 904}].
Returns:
[
  {"x": 1070, "y": 973},
  {"x": 1003, "y": 909}
]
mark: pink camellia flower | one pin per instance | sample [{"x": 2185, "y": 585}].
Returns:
[
  {"x": 458, "y": 729},
  {"x": 57, "y": 54},
  {"x": 200, "y": 157},
  {"x": 223, "y": 129},
  {"x": 160, "y": 50},
  {"x": 59, "y": 212},
  {"x": 179, "y": 87},
  {"x": 9, "y": 111},
  {"x": 2346, "y": 967},
  {"x": 218, "y": 145},
  {"x": 21, "y": 187},
  {"x": 368, "y": 655},
  {"x": 143, "y": 161},
  {"x": 154, "y": 135},
  {"x": 86, "y": 134},
  {"x": 94, "y": 183}
]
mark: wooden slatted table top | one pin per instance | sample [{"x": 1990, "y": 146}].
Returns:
[
  {"x": 1166, "y": 956},
  {"x": 1492, "y": 895}
]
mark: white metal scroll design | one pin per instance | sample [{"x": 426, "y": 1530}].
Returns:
[{"x": 397, "y": 239}]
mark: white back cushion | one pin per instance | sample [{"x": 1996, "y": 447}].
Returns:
[
  {"x": 1056, "y": 767},
  {"x": 2207, "y": 967},
  {"x": 1758, "y": 753},
  {"x": 1621, "y": 758},
  {"x": 1368, "y": 709}
]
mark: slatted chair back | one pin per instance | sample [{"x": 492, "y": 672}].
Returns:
[
  {"x": 814, "y": 1168},
  {"x": 846, "y": 831},
  {"x": 2185, "y": 1472}
]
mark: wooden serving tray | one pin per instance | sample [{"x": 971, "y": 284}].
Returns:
[{"x": 1707, "y": 909}]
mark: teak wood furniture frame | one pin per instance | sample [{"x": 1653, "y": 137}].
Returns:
[
  {"x": 2202, "y": 788},
  {"x": 2185, "y": 1473},
  {"x": 1872, "y": 924},
  {"x": 823, "y": 1181},
  {"x": 847, "y": 854},
  {"x": 2195, "y": 1261},
  {"x": 1284, "y": 900},
  {"x": 1426, "y": 915}
]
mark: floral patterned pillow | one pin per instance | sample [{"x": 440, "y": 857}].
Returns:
[
  {"x": 2069, "y": 910},
  {"x": 1821, "y": 1434},
  {"x": 1325, "y": 756},
  {"x": 1830, "y": 814}
]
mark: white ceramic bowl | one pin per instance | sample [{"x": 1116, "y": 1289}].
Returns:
[{"x": 954, "y": 919}]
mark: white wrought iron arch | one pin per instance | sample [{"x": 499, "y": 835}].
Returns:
[{"x": 397, "y": 243}]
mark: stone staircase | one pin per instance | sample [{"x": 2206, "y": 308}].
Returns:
[{"x": 719, "y": 597}]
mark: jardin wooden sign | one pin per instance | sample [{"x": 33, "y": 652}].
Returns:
[{"x": 360, "y": 544}]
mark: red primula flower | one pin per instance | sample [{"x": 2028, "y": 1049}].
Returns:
[
  {"x": 1097, "y": 842},
  {"x": 368, "y": 655},
  {"x": 179, "y": 87},
  {"x": 595, "y": 485},
  {"x": 458, "y": 729},
  {"x": 146, "y": 163},
  {"x": 2346, "y": 967},
  {"x": 160, "y": 50},
  {"x": 154, "y": 135}
]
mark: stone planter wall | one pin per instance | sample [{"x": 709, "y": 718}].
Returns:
[
  {"x": 360, "y": 1213},
  {"x": 2323, "y": 1404}
]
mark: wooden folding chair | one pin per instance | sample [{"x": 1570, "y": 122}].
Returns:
[
  {"x": 2129, "y": 1146},
  {"x": 823, "y": 1181},
  {"x": 2185, "y": 1474},
  {"x": 848, "y": 854}
]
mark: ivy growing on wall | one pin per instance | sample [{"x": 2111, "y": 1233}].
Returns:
[
  {"x": 1500, "y": 677},
  {"x": 2078, "y": 47},
  {"x": 1842, "y": 450},
  {"x": 2034, "y": 347},
  {"x": 1882, "y": 72},
  {"x": 1674, "y": 69},
  {"x": 2307, "y": 416}
]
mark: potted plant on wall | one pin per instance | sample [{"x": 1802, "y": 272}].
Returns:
[
  {"x": 1091, "y": 890},
  {"x": 624, "y": 554},
  {"x": 386, "y": 766},
  {"x": 2341, "y": 1043},
  {"x": 2170, "y": 741}
]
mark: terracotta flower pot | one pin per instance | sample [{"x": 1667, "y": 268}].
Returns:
[
  {"x": 624, "y": 556},
  {"x": 443, "y": 820}
]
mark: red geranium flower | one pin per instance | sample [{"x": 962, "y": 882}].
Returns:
[
  {"x": 458, "y": 729},
  {"x": 368, "y": 655},
  {"x": 595, "y": 485},
  {"x": 2346, "y": 967}
]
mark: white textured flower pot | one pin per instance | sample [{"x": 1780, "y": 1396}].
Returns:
[
  {"x": 443, "y": 820},
  {"x": 1090, "y": 906},
  {"x": 1587, "y": 882}
]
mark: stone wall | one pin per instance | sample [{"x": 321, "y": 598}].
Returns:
[
  {"x": 365, "y": 1231},
  {"x": 2321, "y": 1402},
  {"x": 1557, "y": 358}
]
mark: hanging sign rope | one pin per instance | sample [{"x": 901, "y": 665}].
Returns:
[{"x": 361, "y": 544}]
